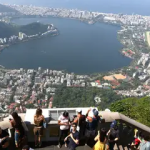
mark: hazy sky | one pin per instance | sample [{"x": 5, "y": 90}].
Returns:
[{"x": 116, "y": 6}]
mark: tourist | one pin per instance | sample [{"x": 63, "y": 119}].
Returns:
[
  {"x": 26, "y": 147},
  {"x": 63, "y": 121},
  {"x": 137, "y": 140},
  {"x": 73, "y": 138},
  {"x": 113, "y": 137},
  {"x": 100, "y": 140},
  {"x": 80, "y": 121},
  {"x": 113, "y": 124},
  {"x": 92, "y": 124},
  {"x": 4, "y": 139},
  {"x": 16, "y": 123},
  {"x": 38, "y": 128},
  {"x": 145, "y": 143}
]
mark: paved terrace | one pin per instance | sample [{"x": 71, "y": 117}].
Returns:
[{"x": 126, "y": 127}]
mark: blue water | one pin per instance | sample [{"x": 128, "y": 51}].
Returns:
[
  {"x": 80, "y": 48},
  {"x": 110, "y": 6}
]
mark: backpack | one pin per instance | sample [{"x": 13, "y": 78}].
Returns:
[{"x": 113, "y": 124}]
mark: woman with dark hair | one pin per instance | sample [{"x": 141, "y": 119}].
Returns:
[
  {"x": 16, "y": 123},
  {"x": 38, "y": 129},
  {"x": 101, "y": 140}
]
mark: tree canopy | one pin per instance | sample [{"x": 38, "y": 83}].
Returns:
[
  {"x": 137, "y": 109},
  {"x": 83, "y": 97}
]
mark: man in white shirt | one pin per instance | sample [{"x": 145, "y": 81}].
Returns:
[{"x": 63, "y": 121}]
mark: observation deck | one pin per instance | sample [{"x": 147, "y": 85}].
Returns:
[{"x": 126, "y": 127}]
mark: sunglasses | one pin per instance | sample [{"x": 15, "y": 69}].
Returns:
[{"x": 73, "y": 126}]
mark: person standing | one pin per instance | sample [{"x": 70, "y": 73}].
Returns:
[
  {"x": 113, "y": 137},
  {"x": 16, "y": 123},
  {"x": 38, "y": 129},
  {"x": 92, "y": 124},
  {"x": 63, "y": 121},
  {"x": 73, "y": 138},
  {"x": 80, "y": 121}
]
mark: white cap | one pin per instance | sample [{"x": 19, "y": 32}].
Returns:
[
  {"x": 107, "y": 110},
  {"x": 79, "y": 110}
]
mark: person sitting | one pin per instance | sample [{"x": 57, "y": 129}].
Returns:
[
  {"x": 4, "y": 139},
  {"x": 73, "y": 138},
  {"x": 137, "y": 139},
  {"x": 26, "y": 147},
  {"x": 38, "y": 129},
  {"x": 92, "y": 124},
  {"x": 63, "y": 121},
  {"x": 16, "y": 123},
  {"x": 101, "y": 140},
  {"x": 113, "y": 137}
]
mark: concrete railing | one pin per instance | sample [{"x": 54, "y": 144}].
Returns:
[{"x": 52, "y": 131}]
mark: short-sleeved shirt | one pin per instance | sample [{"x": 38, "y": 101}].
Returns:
[
  {"x": 145, "y": 145},
  {"x": 72, "y": 144},
  {"x": 63, "y": 119},
  {"x": 3, "y": 134},
  {"x": 114, "y": 134}
]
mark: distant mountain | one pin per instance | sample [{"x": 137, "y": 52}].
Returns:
[
  {"x": 7, "y": 30},
  {"x": 33, "y": 28},
  {"x": 4, "y": 8}
]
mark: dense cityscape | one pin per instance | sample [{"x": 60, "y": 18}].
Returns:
[
  {"x": 27, "y": 88},
  {"x": 91, "y": 17},
  {"x": 49, "y": 108}
]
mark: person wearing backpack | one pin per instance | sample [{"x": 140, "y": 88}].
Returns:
[
  {"x": 113, "y": 137},
  {"x": 91, "y": 126}
]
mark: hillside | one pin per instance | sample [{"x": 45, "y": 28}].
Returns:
[
  {"x": 8, "y": 30},
  {"x": 4, "y": 8},
  {"x": 33, "y": 28},
  {"x": 135, "y": 108}
]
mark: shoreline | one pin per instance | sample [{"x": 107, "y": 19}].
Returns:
[{"x": 117, "y": 69}]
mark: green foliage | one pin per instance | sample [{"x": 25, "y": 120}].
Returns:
[
  {"x": 33, "y": 28},
  {"x": 7, "y": 30},
  {"x": 137, "y": 109},
  {"x": 83, "y": 97}
]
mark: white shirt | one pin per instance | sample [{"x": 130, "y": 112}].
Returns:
[{"x": 62, "y": 119}]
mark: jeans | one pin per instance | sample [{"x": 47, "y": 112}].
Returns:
[
  {"x": 17, "y": 137},
  {"x": 62, "y": 134}
]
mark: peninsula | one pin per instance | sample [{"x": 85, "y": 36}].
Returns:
[{"x": 11, "y": 34}]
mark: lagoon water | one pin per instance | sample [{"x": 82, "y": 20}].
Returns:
[{"x": 79, "y": 48}]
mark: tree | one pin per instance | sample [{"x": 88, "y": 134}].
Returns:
[{"x": 137, "y": 109}]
